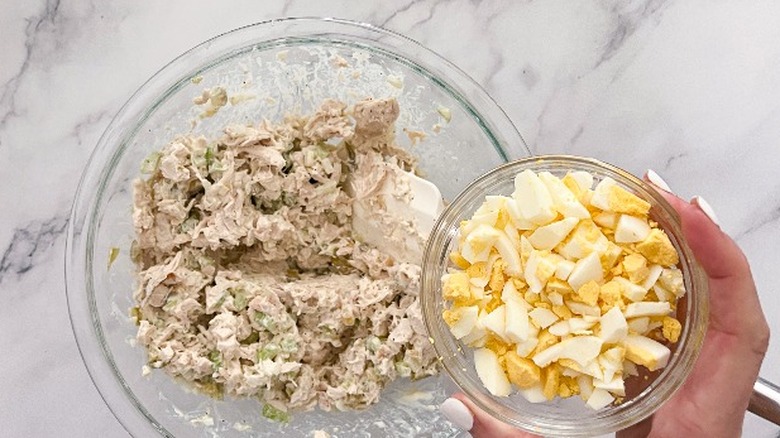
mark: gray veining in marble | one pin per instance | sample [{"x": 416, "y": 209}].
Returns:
[{"x": 690, "y": 89}]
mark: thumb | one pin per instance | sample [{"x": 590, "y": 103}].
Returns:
[{"x": 466, "y": 415}]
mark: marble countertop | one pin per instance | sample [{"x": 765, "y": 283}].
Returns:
[{"x": 690, "y": 89}]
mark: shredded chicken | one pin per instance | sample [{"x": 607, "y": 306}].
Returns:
[{"x": 252, "y": 281}]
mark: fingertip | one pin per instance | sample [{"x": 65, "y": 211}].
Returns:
[
  {"x": 706, "y": 208},
  {"x": 663, "y": 189},
  {"x": 484, "y": 426},
  {"x": 457, "y": 413},
  {"x": 655, "y": 179},
  {"x": 717, "y": 253}
]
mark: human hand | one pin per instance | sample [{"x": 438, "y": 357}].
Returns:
[{"x": 713, "y": 400}]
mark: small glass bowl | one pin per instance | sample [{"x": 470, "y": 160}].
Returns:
[{"x": 564, "y": 417}]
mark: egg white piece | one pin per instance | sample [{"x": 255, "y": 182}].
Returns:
[
  {"x": 616, "y": 385},
  {"x": 510, "y": 293},
  {"x": 478, "y": 335},
  {"x": 578, "y": 324},
  {"x": 555, "y": 298},
  {"x": 583, "y": 179},
  {"x": 647, "y": 352},
  {"x": 594, "y": 370},
  {"x": 495, "y": 321},
  {"x": 585, "y": 270},
  {"x": 526, "y": 347},
  {"x": 611, "y": 362},
  {"x": 600, "y": 398},
  {"x": 629, "y": 368},
  {"x": 510, "y": 255},
  {"x": 633, "y": 292},
  {"x": 478, "y": 292},
  {"x": 513, "y": 235},
  {"x": 585, "y": 383},
  {"x": 647, "y": 308},
  {"x": 516, "y": 216},
  {"x": 600, "y": 198},
  {"x": 654, "y": 272},
  {"x": 560, "y": 328},
  {"x": 631, "y": 229},
  {"x": 583, "y": 309},
  {"x": 565, "y": 201},
  {"x": 491, "y": 373},
  {"x": 548, "y": 355},
  {"x": 550, "y": 235},
  {"x": 516, "y": 322},
  {"x": 613, "y": 326},
  {"x": 542, "y": 317},
  {"x": 581, "y": 349},
  {"x": 639, "y": 325},
  {"x": 534, "y": 394},
  {"x": 662, "y": 293},
  {"x": 533, "y": 199},
  {"x": 606, "y": 219},
  {"x": 535, "y": 284},
  {"x": 481, "y": 240},
  {"x": 466, "y": 322},
  {"x": 563, "y": 270}
]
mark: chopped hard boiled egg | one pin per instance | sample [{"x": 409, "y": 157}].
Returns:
[
  {"x": 606, "y": 219},
  {"x": 578, "y": 182},
  {"x": 585, "y": 270},
  {"x": 495, "y": 321},
  {"x": 630, "y": 229},
  {"x": 534, "y": 394},
  {"x": 456, "y": 287},
  {"x": 563, "y": 270},
  {"x": 516, "y": 321},
  {"x": 522, "y": 372},
  {"x": 581, "y": 349},
  {"x": 600, "y": 398},
  {"x": 479, "y": 242},
  {"x": 623, "y": 201},
  {"x": 509, "y": 254},
  {"x": 616, "y": 385},
  {"x": 614, "y": 327},
  {"x": 632, "y": 291},
  {"x": 491, "y": 373},
  {"x": 533, "y": 199},
  {"x": 542, "y": 317},
  {"x": 586, "y": 238},
  {"x": 565, "y": 201},
  {"x": 563, "y": 289},
  {"x": 461, "y": 320},
  {"x": 647, "y": 308},
  {"x": 600, "y": 198},
  {"x": 657, "y": 248},
  {"x": 647, "y": 352},
  {"x": 550, "y": 235}
]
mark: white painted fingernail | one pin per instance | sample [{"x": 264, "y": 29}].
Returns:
[
  {"x": 457, "y": 413},
  {"x": 706, "y": 208},
  {"x": 658, "y": 181}
]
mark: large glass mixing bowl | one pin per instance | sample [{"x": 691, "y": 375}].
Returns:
[{"x": 271, "y": 69}]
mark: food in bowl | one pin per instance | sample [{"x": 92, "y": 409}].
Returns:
[
  {"x": 287, "y": 66},
  {"x": 563, "y": 289},
  {"x": 254, "y": 277}
]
